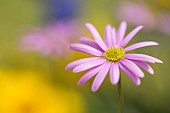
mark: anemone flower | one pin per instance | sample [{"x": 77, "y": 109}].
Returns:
[
  {"x": 136, "y": 14},
  {"x": 51, "y": 39},
  {"x": 109, "y": 56}
]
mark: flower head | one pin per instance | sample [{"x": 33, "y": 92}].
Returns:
[{"x": 110, "y": 55}]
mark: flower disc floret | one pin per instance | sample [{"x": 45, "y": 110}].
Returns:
[{"x": 114, "y": 54}]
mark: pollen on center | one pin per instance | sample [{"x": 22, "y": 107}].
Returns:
[{"x": 114, "y": 54}]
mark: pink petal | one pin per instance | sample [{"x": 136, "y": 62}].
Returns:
[
  {"x": 133, "y": 77},
  {"x": 141, "y": 44},
  {"x": 86, "y": 49},
  {"x": 131, "y": 35},
  {"x": 142, "y": 57},
  {"x": 100, "y": 77},
  {"x": 121, "y": 32},
  {"x": 90, "y": 74},
  {"x": 132, "y": 67},
  {"x": 88, "y": 65},
  {"x": 114, "y": 36},
  {"x": 96, "y": 36},
  {"x": 145, "y": 66},
  {"x": 91, "y": 43},
  {"x": 108, "y": 36},
  {"x": 114, "y": 73},
  {"x": 73, "y": 64}
]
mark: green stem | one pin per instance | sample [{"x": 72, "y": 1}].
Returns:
[{"x": 121, "y": 98}]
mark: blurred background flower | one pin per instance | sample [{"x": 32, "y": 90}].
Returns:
[
  {"x": 25, "y": 92},
  {"x": 164, "y": 22},
  {"x": 139, "y": 13},
  {"x": 136, "y": 14},
  {"x": 21, "y": 89},
  {"x": 53, "y": 39},
  {"x": 60, "y": 9}
]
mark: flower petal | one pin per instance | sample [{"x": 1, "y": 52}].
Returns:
[
  {"x": 114, "y": 73},
  {"x": 145, "y": 66},
  {"x": 100, "y": 77},
  {"x": 108, "y": 36},
  {"x": 114, "y": 36},
  {"x": 133, "y": 77},
  {"x": 142, "y": 57},
  {"x": 131, "y": 35},
  {"x": 86, "y": 49},
  {"x": 88, "y": 65},
  {"x": 73, "y": 64},
  {"x": 90, "y": 74},
  {"x": 96, "y": 36},
  {"x": 90, "y": 42},
  {"x": 121, "y": 32},
  {"x": 141, "y": 44},
  {"x": 132, "y": 67}
]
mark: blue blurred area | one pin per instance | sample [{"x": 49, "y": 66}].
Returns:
[{"x": 61, "y": 9}]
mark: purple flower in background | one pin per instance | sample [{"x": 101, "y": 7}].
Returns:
[
  {"x": 110, "y": 55},
  {"x": 164, "y": 23},
  {"x": 136, "y": 14},
  {"x": 52, "y": 39}
]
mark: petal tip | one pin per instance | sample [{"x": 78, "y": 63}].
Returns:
[
  {"x": 109, "y": 25},
  {"x": 140, "y": 26},
  {"x": 79, "y": 83},
  {"x": 67, "y": 68},
  {"x": 81, "y": 39},
  {"x": 114, "y": 83},
  {"x": 93, "y": 90},
  {"x": 75, "y": 70},
  {"x": 88, "y": 24},
  {"x": 70, "y": 46},
  {"x": 138, "y": 83},
  {"x": 156, "y": 43},
  {"x": 142, "y": 76},
  {"x": 124, "y": 22},
  {"x": 152, "y": 73},
  {"x": 159, "y": 61}
]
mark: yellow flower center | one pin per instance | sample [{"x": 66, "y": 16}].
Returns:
[{"x": 114, "y": 54}]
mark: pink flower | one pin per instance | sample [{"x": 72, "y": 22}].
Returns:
[
  {"x": 164, "y": 22},
  {"x": 52, "y": 39},
  {"x": 110, "y": 55},
  {"x": 136, "y": 14}
]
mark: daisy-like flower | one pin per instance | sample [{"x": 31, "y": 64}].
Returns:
[{"x": 110, "y": 56}]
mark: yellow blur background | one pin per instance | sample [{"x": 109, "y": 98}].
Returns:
[{"x": 31, "y": 82}]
